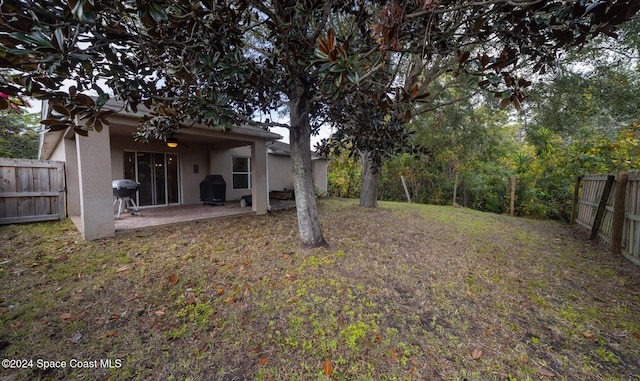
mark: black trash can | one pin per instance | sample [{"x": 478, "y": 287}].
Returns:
[{"x": 213, "y": 190}]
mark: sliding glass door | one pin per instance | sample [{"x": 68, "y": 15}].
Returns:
[{"x": 157, "y": 174}]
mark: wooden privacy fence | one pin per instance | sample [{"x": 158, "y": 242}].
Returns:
[
  {"x": 609, "y": 206},
  {"x": 31, "y": 190}
]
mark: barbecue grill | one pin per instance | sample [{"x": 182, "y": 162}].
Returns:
[
  {"x": 213, "y": 190},
  {"x": 124, "y": 190}
]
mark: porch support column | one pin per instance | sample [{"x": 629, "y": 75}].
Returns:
[
  {"x": 259, "y": 191},
  {"x": 71, "y": 169},
  {"x": 94, "y": 180}
]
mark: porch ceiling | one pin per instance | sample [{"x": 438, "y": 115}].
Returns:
[
  {"x": 213, "y": 138},
  {"x": 125, "y": 125}
]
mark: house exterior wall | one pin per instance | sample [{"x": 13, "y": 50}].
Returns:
[
  {"x": 88, "y": 176},
  {"x": 190, "y": 181},
  {"x": 63, "y": 152},
  {"x": 221, "y": 163},
  {"x": 259, "y": 189},
  {"x": 66, "y": 151},
  {"x": 96, "y": 202},
  {"x": 71, "y": 169},
  {"x": 281, "y": 177},
  {"x": 280, "y": 173},
  {"x": 320, "y": 174},
  {"x": 188, "y": 156}
]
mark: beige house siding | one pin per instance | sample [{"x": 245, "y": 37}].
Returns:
[
  {"x": 222, "y": 164},
  {"x": 279, "y": 169},
  {"x": 320, "y": 174},
  {"x": 197, "y": 155},
  {"x": 280, "y": 173},
  {"x": 61, "y": 153}
]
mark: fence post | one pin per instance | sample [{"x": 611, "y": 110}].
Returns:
[
  {"x": 512, "y": 202},
  {"x": 617, "y": 222},
  {"x": 576, "y": 199},
  {"x": 601, "y": 206},
  {"x": 406, "y": 191}
]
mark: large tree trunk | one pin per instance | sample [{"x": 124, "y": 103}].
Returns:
[
  {"x": 300, "y": 140},
  {"x": 370, "y": 180}
]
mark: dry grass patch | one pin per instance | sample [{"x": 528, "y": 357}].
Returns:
[{"x": 404, "y": 292}]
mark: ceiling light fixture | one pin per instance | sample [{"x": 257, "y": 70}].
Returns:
[{"x": 172, "y": 142}]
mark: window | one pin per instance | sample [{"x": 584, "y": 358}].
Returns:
[{"x": 241, "y": 173}]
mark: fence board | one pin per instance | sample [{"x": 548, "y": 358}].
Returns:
[
  {"x": 24, "y": 179},
  {"x": 631, "y": 246},
  {"x": 592, "y": 188},
  {"x": 591, "y": 194},
  {"x": 604, "y": 231},
  {"x": 8, "y": 184},
  {"x": 31, "y": 190},
  {"x": 41, "y": 183}
]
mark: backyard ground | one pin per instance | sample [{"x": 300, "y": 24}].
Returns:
[{"x": 404, "y": 292}]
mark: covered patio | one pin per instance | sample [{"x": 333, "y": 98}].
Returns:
[
  {"x": 172, "y": 215},
  {"x": 167, "y": 175}
]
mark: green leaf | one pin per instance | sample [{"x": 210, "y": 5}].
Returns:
[
  {"x": 102, "y": 100},
  {"x": 58, "y": 38},
  {"x": 35, "y": 38},
  {"x": 353, "y": 77},
  {"x": 158, "y": 13},
  {"x": 319, "y": 54},
  {"x": 19, "y": 52},
  {"x": 80, "y": 57},
  {"x": 494, "y": 79}
]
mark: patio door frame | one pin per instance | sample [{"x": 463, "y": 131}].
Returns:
[{"x": 154, "y": 179}]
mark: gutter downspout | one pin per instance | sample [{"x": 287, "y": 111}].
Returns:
[{"x": 267, "y": 144}]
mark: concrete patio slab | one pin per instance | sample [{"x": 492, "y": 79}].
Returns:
[{"x": 171, "y": 215}]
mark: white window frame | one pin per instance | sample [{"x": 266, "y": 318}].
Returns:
[{"x": 247, "y": 173}]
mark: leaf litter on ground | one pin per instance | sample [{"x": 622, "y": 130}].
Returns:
[{"x": 403, "y": 292}]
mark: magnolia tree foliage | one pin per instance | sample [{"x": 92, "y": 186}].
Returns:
[
  {"x": 495, "y": 46},
  {"x": 232, "y": 62}
]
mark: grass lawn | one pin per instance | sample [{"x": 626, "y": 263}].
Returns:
[{"x": 404, "y": 292}]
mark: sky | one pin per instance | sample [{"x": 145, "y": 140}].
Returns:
[{"x": 324, "y": 132}]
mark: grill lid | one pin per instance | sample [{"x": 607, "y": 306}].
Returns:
[
  {"x": 215, "y": 179},
  {"x": 124, "y": 184}
]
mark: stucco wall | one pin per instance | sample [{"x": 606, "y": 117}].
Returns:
[
  {"x": 280, "y": 173},
  {"x": 221, "y": 164},
  {"x": 199, "y": 156},
  {"x": 211, "y": 160},
  {"x": 281, "y": 176},
  {"x": 66, "y": 151},
  {"x": 188, "y": 155},
  {"x": 320, "y": 174},
  {"x": 96, "y": 205}
]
